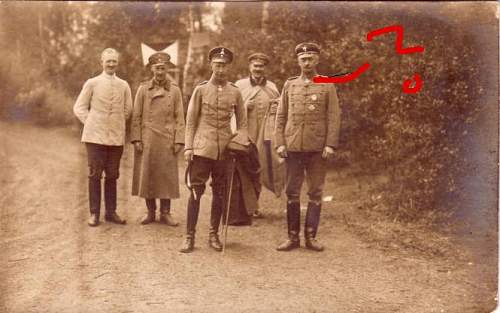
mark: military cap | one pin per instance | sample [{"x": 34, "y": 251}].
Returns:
[
  {"x": 159, "y": 58},
  {"x": 308, "y": 48},
  {"x": 259, "y": 56},
  {"x": 220, "y": 54}
]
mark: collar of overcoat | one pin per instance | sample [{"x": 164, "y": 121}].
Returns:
[{"x": 158, "y": 92}]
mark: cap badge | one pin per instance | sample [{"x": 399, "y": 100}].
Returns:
[{"x": 304, "y": 48}]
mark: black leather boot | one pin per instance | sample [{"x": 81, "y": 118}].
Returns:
[
  {"x": 94, "y": 201},
  {"x": 165, "y": 217},
  {"x": 192, "y": 219},
  {"x": 311, "y": 226},
  {"x": 293, "y": 221},
  {"x": 110, "y": 202},
  {"x": 215, "y": 217},
  {"x": 150, "y": 216}
]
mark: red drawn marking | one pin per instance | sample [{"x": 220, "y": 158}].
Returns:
[
  {"x": 398, "y": 29},
  {"x": 418, "y": 84},
  {"x": 341, "y": 79}
]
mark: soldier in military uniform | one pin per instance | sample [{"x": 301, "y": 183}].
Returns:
[
  {"x": 157, "y": 132},
  {"x": 257, "y": 92},
  {"x": 208, "y": 132},
  {"x": 307, "y": 131},
  {"x": 103, "y": 106}
]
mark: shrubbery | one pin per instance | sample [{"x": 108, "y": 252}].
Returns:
[{"x": 414, "y": 139}]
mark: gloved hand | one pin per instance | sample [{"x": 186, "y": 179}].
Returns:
[
  {"x": 188, "y": 155},
  {"x": 138, "y": 146},
  {"x": 281, "y": 150},
  {"x": 178, "y": 147},
  {"x": 327, "y": 153}
]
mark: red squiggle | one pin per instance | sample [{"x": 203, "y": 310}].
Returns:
[
  {"x": 399, "y": 30},
  {"x": 342, "y": 79},
  {"x": 418, "y": 84}
]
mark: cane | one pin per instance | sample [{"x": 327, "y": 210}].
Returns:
[
  {"x": 187, "y": 179},
  {"x": 228, "y": 206}
]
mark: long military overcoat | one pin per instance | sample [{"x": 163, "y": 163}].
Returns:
[
  {"x": 256, "y": 99},
  {"x": 158, "y": 122}
]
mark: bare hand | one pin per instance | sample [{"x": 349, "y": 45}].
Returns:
[
  {"x": 178, "y": 147},
  {"x": 282, "y": 151},
  {"x": 327, "y": 153},
  {"x": 188, "y": 155}
]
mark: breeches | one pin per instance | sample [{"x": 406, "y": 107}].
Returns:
[
  {"x": 201, "y": 169},
  {"x": 308, "y": 165}
]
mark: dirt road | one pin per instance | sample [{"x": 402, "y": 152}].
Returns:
[{"x": 51, "y": 261}]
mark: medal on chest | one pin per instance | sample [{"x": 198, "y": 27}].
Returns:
[
  {"x": 311, "y": 107},
  {"x": 314, "y": 97}
]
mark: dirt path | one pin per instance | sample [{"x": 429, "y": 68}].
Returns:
[{"x": 51, "y": 261}]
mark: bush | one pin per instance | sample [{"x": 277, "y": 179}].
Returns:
[
  {"x": 415, "y": 139},
  {"x": 45, "y": 105}
]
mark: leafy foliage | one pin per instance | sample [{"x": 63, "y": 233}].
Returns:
[{"x": 414, "y": 138}]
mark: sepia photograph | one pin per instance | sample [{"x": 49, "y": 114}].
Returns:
[{"x": 260, "y": 156}]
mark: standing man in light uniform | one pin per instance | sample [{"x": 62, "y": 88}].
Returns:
[
  {"x": 307, "y": 132},
  {"x": 104, "y": 106},
  {"x": 257, "y": 92},
  {"x": 208, "y": 131}
]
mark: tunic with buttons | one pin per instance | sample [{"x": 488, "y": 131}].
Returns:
[
  {"x": 308, "y": 116},
  {"x": 103, "y": 106},
  {"x": 208, "y": 129},
  {"x": 158, "y": 122}
]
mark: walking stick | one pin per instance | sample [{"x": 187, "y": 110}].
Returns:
[{"x": 228, "y": 206}]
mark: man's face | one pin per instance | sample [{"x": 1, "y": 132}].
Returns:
[
  {"x": 257, "y": 69},
  {"x": 308, "y": 63},
  {"x": 219, "y": 69},
  {"x": 159, "y": 72},
  {"x": 109, "y": 63}
]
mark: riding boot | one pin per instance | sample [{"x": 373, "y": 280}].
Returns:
[
  {"x": 215, "y": 217},
  {"x": 192, "y": 219},
  {"x": 150, "y": 216},
  {"x": 94, "y": 201},
  {"x": 293, "y": 222},
  {"x": 165, "y": 217},
  {"x": 311, "y": 226}
]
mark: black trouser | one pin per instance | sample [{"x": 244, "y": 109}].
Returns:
[
  {"x": 103, "y": 158},
  {"x": 201, "y": 169}
]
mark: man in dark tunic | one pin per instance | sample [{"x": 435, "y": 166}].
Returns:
[
  {"x": 307, "y": 133},
  {"x": 208, "y": 131}
]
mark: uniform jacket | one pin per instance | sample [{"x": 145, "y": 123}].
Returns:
[
  {"x": 308, "y": 117},
  {"x": 103, "y": 106},
  {"x": 208, "y": 118},
  {"x": 256, "y": 99},
  {"x": 158, "y": 122}
]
